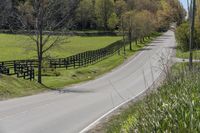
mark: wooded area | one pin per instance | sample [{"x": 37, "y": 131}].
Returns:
[{"x": 91, "y": 14}]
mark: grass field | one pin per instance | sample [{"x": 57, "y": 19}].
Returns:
[
  {"x": 173, "y": 108},
  {"x": 185, "y": 55},
  {"x": 14, "y": 47},
  {"x": 59, "y": 78}
]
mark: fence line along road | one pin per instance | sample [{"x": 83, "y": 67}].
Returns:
[{"x": 25, "y": 68}]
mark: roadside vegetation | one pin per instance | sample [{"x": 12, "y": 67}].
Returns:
[
  {"x": 11, "y": 87},
  {"x": 173, "y": 107}
]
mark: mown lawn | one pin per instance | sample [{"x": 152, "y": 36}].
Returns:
[
  {"x": 13, "y": 47},
  {"x": 185, "y": 55},
  {"x": 174, "y": 107}
]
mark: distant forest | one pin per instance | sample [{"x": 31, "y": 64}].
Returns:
[{"x": 94, "y": 14}]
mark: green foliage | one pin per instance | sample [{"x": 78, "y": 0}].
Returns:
[
  {"x": 120, "y": 7},
  {"x": 104, "y": 9},
  {"x": 113, "y": 21},
  {"x": 183, "y": 37},
  {"x": 138, "y": 24},
  {"x": 84, "y": 13},
  {"x": 94, "y": 14}
]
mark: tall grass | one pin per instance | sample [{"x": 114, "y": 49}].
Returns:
[{"x": 174, "y": 107}]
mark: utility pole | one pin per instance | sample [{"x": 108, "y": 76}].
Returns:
[{"x": 192, "y": 20}]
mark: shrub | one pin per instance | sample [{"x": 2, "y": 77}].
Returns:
[{"x": 183, "y": 37}]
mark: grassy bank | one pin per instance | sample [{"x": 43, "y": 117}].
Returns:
[
  {"x": 14, "y": 87},
  {"x": 59, "y": 78},
  {"x": 174, "y": 107}
]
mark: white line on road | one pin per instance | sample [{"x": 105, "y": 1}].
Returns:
[{"x": 93, "y": 124}]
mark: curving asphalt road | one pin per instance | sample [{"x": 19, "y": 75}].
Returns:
[{"x": 73, "y": 109}]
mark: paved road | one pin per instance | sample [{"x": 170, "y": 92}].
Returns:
[{"x": 72, "y": 110}]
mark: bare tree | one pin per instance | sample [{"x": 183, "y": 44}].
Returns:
[{"x": 41, "y": 19}]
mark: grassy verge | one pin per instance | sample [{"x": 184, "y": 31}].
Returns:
[
  {"x": 59, "y": 78},
  {"x": 185, "y": 55},
  {"x": 13, "y": 87},
  {"x": 174, "y": 107}
]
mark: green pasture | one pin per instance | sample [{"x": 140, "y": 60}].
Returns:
[{"x": 13, "y": 47}]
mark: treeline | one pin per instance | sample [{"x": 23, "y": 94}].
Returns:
[
  {"x": 17, "y": 14},
  {"x": 107, "y": 14},
  {"x": 100, "y": 14},
  {"x": 183, "y": 32}
]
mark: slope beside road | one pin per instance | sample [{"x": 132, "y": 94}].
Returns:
[{"x": 73, "y": 109}]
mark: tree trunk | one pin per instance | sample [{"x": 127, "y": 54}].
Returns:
[
  {"x": 124, "y": 43},
  {"x": 130, "y": 40},
  {"x": 40, "y": 59},
  {"x": 40, "y": 70},
  {"x": 40, "y": 50}
]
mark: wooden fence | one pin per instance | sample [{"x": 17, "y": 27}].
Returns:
[
  {"x": 25, "y": 68},
  {"x": 86, "y": 58},
  {"x": 21, "y": 68},
  {"x": 4, "y": 70}
]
